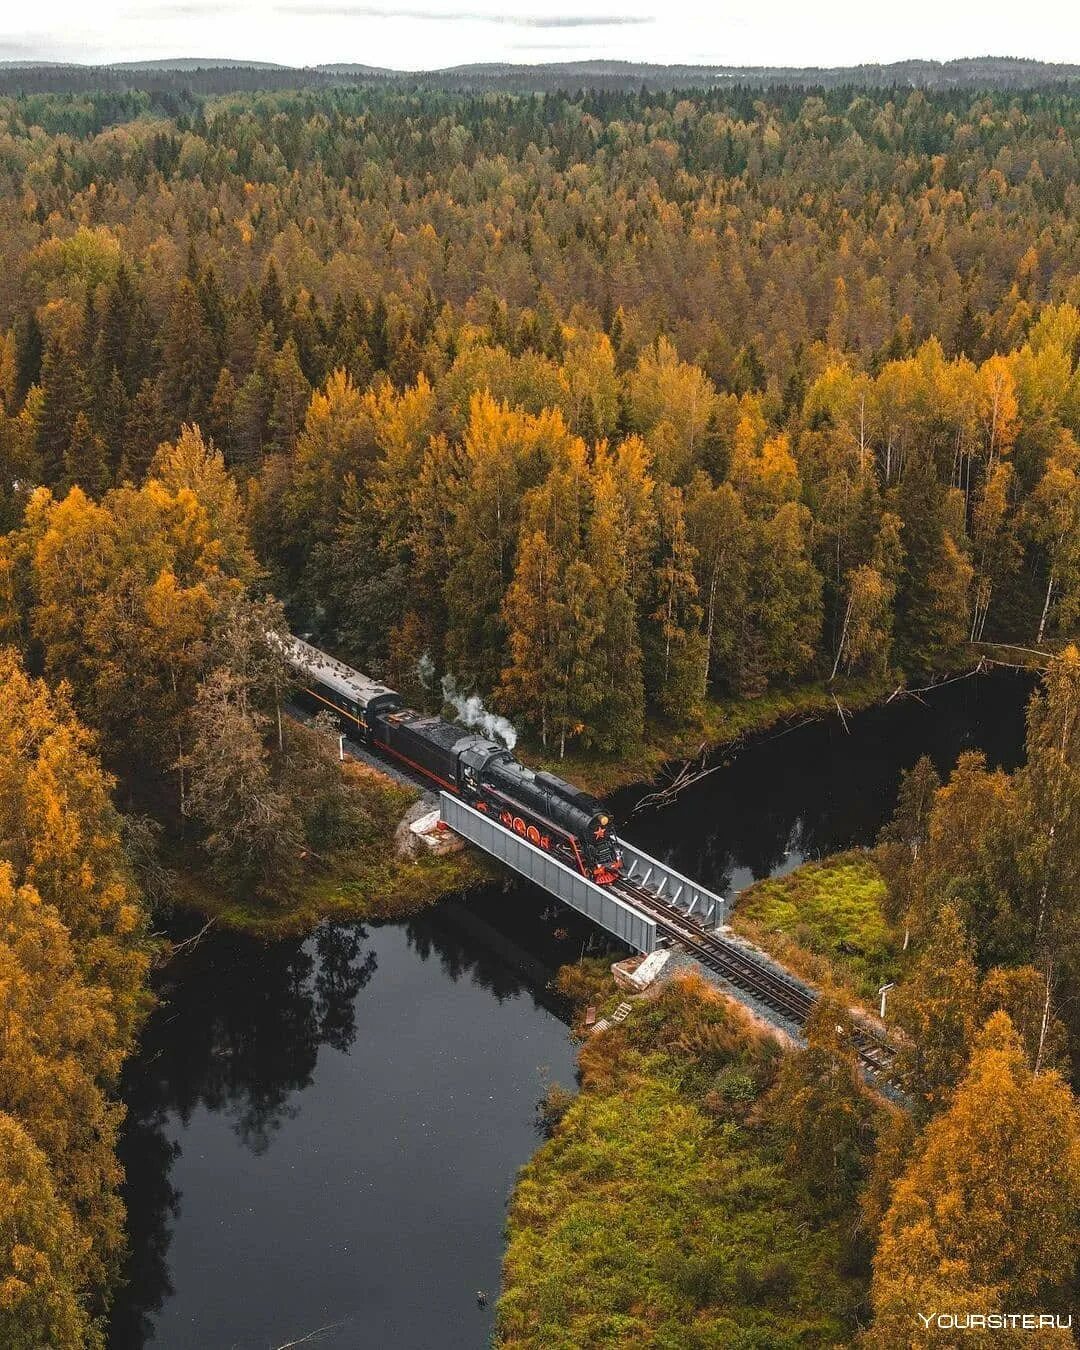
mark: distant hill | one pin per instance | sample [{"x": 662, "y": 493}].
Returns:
[
  {"x": 219, "y": 75},
  {"x": 197, "y": 63},
  {"x": 973, "y": 72}
]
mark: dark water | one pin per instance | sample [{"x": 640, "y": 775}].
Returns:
[
  {"x": 324, "y": 1134},
  {"x": 814, "y": 789}
]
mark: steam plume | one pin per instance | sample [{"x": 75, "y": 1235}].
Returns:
[
  {"x": 470, "y": 710},
  {"x": 425, "y": 670}
]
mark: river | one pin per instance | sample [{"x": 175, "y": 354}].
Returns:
[{"x": 322, "y": 1135}]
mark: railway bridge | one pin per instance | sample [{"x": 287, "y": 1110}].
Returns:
[{"x": 652, "y": 905}]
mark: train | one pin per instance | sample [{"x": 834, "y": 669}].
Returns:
[{"x": 549, "y": 812}]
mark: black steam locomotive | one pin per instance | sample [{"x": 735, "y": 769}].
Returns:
[{"x": 546, "y": 810}]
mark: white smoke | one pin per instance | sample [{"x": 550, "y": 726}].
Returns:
[
  {"x": 425, "y": 670},
  {"x": 470, "y": 710}
]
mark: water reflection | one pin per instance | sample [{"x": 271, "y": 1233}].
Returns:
[
  {"x": 253, "y": 1018},
  {"x": 809, "y": 790},
  {"x": 240, "y": 1040}
]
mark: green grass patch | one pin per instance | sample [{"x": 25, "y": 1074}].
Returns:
[
  {"x": 382, "y": 886},
  {"x": 660, "y": 1213},
  {"x": 825, "y": 919}
]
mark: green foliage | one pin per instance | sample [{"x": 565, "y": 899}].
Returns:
[
  {"x": 834, "y": 908},
  {"x": 658, "y": 1213}
]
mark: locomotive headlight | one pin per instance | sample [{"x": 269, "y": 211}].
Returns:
[{"x": 603, "y": 820}]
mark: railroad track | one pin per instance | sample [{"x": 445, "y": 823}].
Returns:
[{"x": 776, "y": 991}]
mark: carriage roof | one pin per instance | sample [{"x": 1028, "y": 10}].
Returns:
[{"x": 318, "y": 665}]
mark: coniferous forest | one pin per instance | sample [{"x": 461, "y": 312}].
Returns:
[{"x": 614, "y": 407}]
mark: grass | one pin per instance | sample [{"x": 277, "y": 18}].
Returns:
[
  {"x": 381, "y": 887},
  {"x": 660, "y": 1212},
  {"x": 825, "y": 920}
]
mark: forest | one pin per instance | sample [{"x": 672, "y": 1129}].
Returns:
[{"x": 609, "y": 406}]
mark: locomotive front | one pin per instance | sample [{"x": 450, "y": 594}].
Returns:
[{"x": 559, "y": 815}]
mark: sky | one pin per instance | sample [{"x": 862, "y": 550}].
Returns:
[{"x": 429, "y": 34}]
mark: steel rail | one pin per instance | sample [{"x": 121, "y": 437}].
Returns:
[{"x": 776, "y": 991}]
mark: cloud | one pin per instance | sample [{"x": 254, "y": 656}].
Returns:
[
  {"x": 459, "y": 16},
  {"x": 183, "y": 9},
  {"x": 15, "y": 50},
  {"x": 548, "y": 47}
]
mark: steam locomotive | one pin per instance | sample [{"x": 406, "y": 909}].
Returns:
[{"x": 546, "y": 810}]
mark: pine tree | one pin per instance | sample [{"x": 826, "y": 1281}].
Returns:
[
  {"x": 619, "y": 718},
  {"x": 123, "y": 335},
  {"x": 29, "y": 350},
  {"x": 221, "y": 414},
  {"x": 251, "y": 416},
  {"x": 671, "y": 639},
  {"x": 147, "y": 426},
  {"x": 85, "y": 458},
  {"x": 781, "y": 618},
  {"x": 932, "y": 605},
  {"x": 720, "y": 535},
  {"x": 289, "y": 400},
  {"x": 189, "y": 367},
  {"x": 63, "y": 398},
  {"x": 902, "y": 840},
  {"x": 272, "y": 300}
]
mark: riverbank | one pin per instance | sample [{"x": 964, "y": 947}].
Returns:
[
  {"x": 376, "y": 879},
  {"x": 722, "y": 723},
  {"x": 661, "y": 1210},
  {"x": 376, "y": 882}
]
